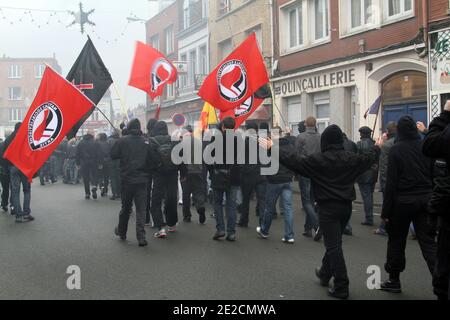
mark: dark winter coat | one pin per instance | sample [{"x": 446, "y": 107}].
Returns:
[
  {"x": 136, "y": 156},
  {"x": 161, "y": 137},
  {"x": 88, "y": 151},
  {"x": 409, "y": 171},
  {"x": 384, "y": 156},
  {"x": 370, "y": 176},
  {"x": 334, "y": 171},
  {"x": 437, "y": 145}
]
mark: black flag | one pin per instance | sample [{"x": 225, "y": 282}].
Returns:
[{"x": 90, "y": 75}]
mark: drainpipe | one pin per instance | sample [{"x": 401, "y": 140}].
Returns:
[{"x": 425, "y": 21}]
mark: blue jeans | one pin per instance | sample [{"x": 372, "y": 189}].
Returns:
[
  {"x": 273, "y": 192},
  {"x": 17, "y": 179},
  {"x": 311, "y": 221},
  {"x": 367, "y": 190},
  {"x": 230, "y": 209}
]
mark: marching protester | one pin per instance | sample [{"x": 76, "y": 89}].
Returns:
[
  {"x": 254, "y": 182},
  {"x": 23, "y": 214},
  {"x": 407, "y": 192},
  {"x": 437, "y": 146},
  {"x": 136, "y": 160},
  {"x": 71, "y": 162},
  {"x": 225, "y": 181},
  {"x": 165, "y": 183},
  {"x": 193, "y": 180},
  {"x": 368, "y": 179},
  {"x": 384, "y": 156},
  {"x": 349, "y": 146},
  {"x": 88, "y": 159},
  {"x": 150, "y": 127},
  {"x": 308, "y": 143},
  {"x": 115, "y": 168},
  {"x": 333, "y": 173},
  {"x": 279, "y": 186},
  {"x": 105, "y": 163}
]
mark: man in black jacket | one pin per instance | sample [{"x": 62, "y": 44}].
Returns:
[
  {"x": 105, "y": 165},
  {"x": 115, "y": 168},
  {"x": 437, "y": 145},
  {"x": 136, "y": 158},
  {"x": 254, "y": 181},
  {"x": 408, "y": 190},
  {"x": 225, "y": 181},
  {"x": 368, "y": 179},
  {"x": 88, "y": 159},
  {"x": 165, "y": 182},
  {"x": 150, "y": 127},
  {"x": 333, "y": 172}
]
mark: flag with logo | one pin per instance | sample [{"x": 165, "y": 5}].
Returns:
[
  {"x": 90, "y": 76},
  {"x": 374, "y": 109},
  {"x": 245, "y": 110},
  {"x": 208, "y": 116},
  {"x": 236, "y": 78},
  {"x": 151, "y": 71},
  {"x": 57, "y": 107}
]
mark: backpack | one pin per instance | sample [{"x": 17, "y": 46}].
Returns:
[{"x": 165, "y": 154}]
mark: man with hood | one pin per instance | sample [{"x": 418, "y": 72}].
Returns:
[
  {"x": 105, "y": 163},
  {"x": 18, "y": 179},
  {"x": 385, "y": 149},
  {"x": 115, "y": 168},
  {"x": 150, "y": 127},
  {"x": 333, "y": 172},
  {"x": 407, "y": 192},
  {"x": 437, "y": 145},
  {"x": 368, "y": 179},
  {"x": 88, "y": 159},
  {"x": 136, "y": 157},
  {"x": 165, "y": 182}
]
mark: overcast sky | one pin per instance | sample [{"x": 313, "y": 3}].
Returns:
[{"x": 26, "y": 39}]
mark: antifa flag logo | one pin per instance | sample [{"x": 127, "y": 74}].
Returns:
[
  {"x": 232, "y": 80},
  {"x": 44, "y": 126},
  {"x": 161, "y": 73},
  {"x": 244, "y": 108}
]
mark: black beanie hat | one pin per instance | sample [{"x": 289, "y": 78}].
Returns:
[
  {"x": 407, "y": 129},
  {"x": 134, "y": 124}
]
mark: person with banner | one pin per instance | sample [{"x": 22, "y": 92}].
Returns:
[{"x": 57, "y": 107}]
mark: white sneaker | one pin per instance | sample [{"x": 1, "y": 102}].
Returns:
[
  {"x": 290, "y": 241},
  {"x": 259, "y": 232}
]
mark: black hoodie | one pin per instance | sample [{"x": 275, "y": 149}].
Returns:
[
  {"x": 333, "y": 172},
  {"x": 88, "y": 151},
  {"x": 136, "y": 155},
  {"x": 408, "y": 171}
]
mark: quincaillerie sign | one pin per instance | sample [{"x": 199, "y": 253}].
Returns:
[{"x": 325, "y": 81}]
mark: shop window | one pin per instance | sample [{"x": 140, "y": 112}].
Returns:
[
  {"x": 404, "y": 87},
  {"x": 294, "y": 107},
  {"x": 322, "y": 110}
]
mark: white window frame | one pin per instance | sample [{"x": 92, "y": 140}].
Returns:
[
  {"x": 11, "y": 94},
  {"x": 192, "y": 69},
  {"x": 363, "y": 25},
  {"x": 168, "y": 34},
  {"x": 15, "y": 71},
  {"x": 39, "y": 71},
  {"x": 400, "y": 16},
  {"x": 170, "y": 91},
  {"x": 183, "y": 82},
  {"x": 205, "y": 8},
  {"x": 154, "y": 39},
  {"x": 186, "y": 14},
  {"x": 322, "y": 98},
  {"x": 295, "y": 8},
  {"x": 203, "y": 66},
  {"x": 16, "y": 114},
  {"x": 325, "y": 23}
]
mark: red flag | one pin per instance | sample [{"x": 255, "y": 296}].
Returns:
[
  {"x": 151, "y": 71},
  {"x": 57, "y": 107},
  {"x": 244, "y": 111},
  {"x": 236, "y": 78}
]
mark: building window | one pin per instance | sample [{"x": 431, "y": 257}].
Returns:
[
  {"x": 186, "y": 14},
  {"x": 295, "y": 26},
  {"x": 203, "y": 61},
  {"x": 205, "y": 9},
  {"x": 360, "y": 13},
  {"x": 169, "y": 40},
  {"x": 154, "y": 42},
  {"x": 15, "y": 71},
  {"x": 15, "y": 93},
  {"x": 322, "y": 110},
  {"x": 321, "y": 19},
  {"x": 192, "y": 66},
  {"x": 39, "y": 70},
  {"x": 17, "y": 114},
  {"x": 397, "y": 8},
  {"x": 224, "y": 7},
  {"x": 225, "y": 48},
  {"x": 170, "y": 91},
  {"x": 183, "y": 77},
  {"x": 294, "y": 106}
]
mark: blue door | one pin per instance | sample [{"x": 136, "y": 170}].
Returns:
[{"x": 418, "y": 111}]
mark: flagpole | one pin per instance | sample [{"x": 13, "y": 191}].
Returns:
[
  {"x": 276, "y": 106},
  {"x": 104, "y": 115},
  {"x": 122, "y": 104},
  {"x": 376, "y": 118}
]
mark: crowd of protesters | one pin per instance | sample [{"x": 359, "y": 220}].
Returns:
[{"x": 409, "y": 161}]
